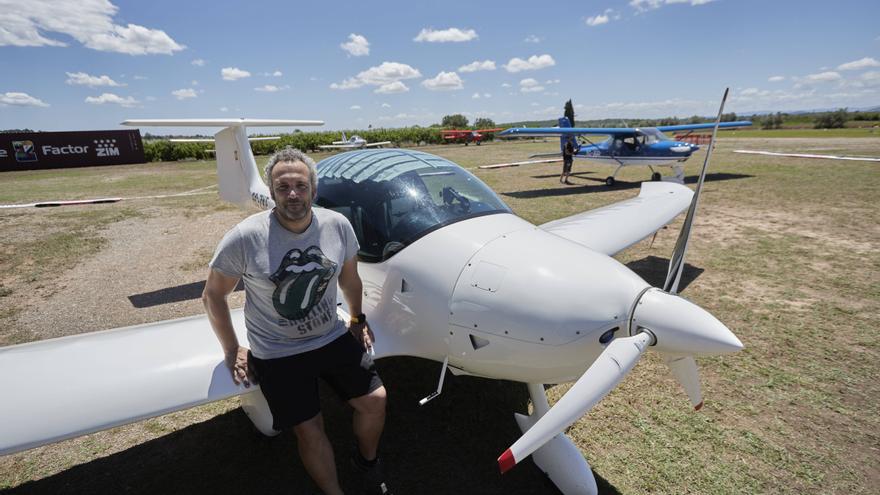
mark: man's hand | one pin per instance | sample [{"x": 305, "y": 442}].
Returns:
[
  {"x": 237, "y": 362},
  {"x": 363, "y": 334}
]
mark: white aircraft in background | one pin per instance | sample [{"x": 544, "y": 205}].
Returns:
[
  {"x": 353, "y": 143},
  {"x": 450, "y": 274}
]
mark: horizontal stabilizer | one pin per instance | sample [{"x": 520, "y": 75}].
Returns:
[
  {"x": 221, "y": 122},
  {"x": 615, "y": 227}
]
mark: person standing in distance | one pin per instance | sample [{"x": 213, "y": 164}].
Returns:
[
  {"x": 291, "y": 259},
  {"x": 567, "y": 159}
]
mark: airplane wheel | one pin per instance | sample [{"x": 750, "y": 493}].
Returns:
[
  {"x": 655, "y": 176},
  {"x": 609, "y": 181}
]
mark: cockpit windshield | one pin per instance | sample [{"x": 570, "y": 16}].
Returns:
[
  {"x": 393, "y": 197},
  {"x": 652, "y": 135}
]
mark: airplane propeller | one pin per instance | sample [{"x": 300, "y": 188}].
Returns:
[{"x": 659, "y": 318}]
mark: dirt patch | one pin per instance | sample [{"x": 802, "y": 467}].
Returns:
[{"x": 142, "y": 255}]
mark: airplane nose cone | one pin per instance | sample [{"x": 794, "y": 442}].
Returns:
[{"x": 681, "y": 326}]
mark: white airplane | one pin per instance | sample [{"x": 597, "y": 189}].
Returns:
[
  {"x": 450, "y": 274},
  {"x": 352, "y": 143}
]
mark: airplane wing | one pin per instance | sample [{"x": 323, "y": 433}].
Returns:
[
  {"x": 615, "y": 227},
  {"x": 696, "y": 127},
  {"x": 211, "y": 140},
  {"x": 569, "y": 131},
  {"x": 71, "y": 386},
  {"x": 380, "y": 143},
  {"x": 336, "y": 146}
]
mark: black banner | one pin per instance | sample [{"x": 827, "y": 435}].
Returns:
[{"x": 42, "y": 150}]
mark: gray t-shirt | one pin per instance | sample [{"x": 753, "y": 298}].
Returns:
[{"x": 290, "y": 280}]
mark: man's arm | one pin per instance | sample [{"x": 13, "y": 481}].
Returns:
[
  {"x": 217, "y": 289},
  {"x": 352, "y": 290}
]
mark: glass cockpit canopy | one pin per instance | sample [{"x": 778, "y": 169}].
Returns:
[{"x": 393, "y": 197}]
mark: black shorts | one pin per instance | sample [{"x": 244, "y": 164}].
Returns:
[{"x": 290, "y": 384}]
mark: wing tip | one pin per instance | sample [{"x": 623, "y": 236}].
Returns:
[{"x": 506, "y": 462}]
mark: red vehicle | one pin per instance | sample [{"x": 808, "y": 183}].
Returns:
[{"x": 467, "y": 136}]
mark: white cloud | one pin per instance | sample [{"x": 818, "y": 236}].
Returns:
[
  {"x": 551, "y": 81},
  {"x": 139, "y": 78},
  {"x": 444, "y": 81},
  {"x": 597, "y": 20},
  {"x": 391, "y": 88},
  {"x": 271, "y": 88},
  {"x": 233, "y": 73},
  {"x": 487, "y": 95},
  {"x": 532, "y": 39},
  {"x": 534, "y": 62},
  {"x": 475, "y": 96},
  {"x": 198, "y": 62},
  {"x": 385, "y": 105},
  {"x": 83, "y": 79},
  {"x": 382, "y": 75},
  {"x": 194, "y": 83},
  {"x": 505, "y": 85},
  {"x": 354, "y": 107},
  {"x": 21, "y": 100},
  {"x": 646, "y": 5},
  {"x": 356, "y": 46},
  {"x": 776, "y": 78},
  {"x": 224, "y": 109},
  {"x": 530, "y": 86},
  {"x": 476, "y": 65},
  {"x": 603, "y": 18},
  {"x": 276, "y": 73},
  {"x": 90, "y": 22},
  {"x": 127, "y": 102},
  {"x": 182, "y": 94},
  {"x": 753, "y": 92},
  {"x": 453, "y": 35},
  {"x": 828, "y": 76},
  {"x": 862, "y": 63}
]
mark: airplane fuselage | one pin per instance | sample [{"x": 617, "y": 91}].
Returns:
[
  {"x": 500, "y": 298},
  {"x": 616, "y": 152}
]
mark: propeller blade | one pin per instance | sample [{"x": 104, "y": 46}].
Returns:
[
  {"x": 676, "y": 263},
  {"x": 684, "y": 369},
  {"x": 606, "y": 372}
]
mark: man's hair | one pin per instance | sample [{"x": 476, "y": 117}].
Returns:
[{"x": 292, "y": 155}]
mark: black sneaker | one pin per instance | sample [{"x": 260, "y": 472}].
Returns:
[{"x": 372, "y": 475}]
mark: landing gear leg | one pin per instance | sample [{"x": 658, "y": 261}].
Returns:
[
  {"x": 610, "y": 180},
  {"x": 559, "y": 459}
]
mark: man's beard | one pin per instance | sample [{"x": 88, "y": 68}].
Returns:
[{"x": 294, "y": 215}]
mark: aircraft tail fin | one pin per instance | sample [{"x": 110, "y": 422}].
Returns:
[
  {"x": 343, "y": 136},
  {"x": 237, "y": 174}
]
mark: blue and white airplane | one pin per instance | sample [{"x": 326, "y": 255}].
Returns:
[{"x": 626, "y": 146}]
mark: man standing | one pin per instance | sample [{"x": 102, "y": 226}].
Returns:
[
  {"x": 567, "y": 158},
  {"x": 291, "y": 260}
]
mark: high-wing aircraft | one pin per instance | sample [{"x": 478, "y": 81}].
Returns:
[
  {"x": 450, "y": 274},
  {"x": 626, "y": 146},
  {"x": 354, "y": 142},
  {"x": 466, "y": 136}
]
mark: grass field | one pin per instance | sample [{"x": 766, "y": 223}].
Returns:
[{"x": 785, "y": 251}]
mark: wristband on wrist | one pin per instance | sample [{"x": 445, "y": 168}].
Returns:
[{"x": 359, "y": 318}]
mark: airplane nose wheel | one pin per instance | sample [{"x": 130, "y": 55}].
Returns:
[
  {"x": 609, "y": 181},
  {"x": 655, "y": 177}
]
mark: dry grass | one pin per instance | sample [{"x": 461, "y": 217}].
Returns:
[{"x": 785, "y": 252}]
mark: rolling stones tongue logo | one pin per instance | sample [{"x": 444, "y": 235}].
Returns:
[{"x": 300, "y": 282}]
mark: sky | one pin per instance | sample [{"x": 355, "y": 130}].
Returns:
[{"x": 89, "y": 64}]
